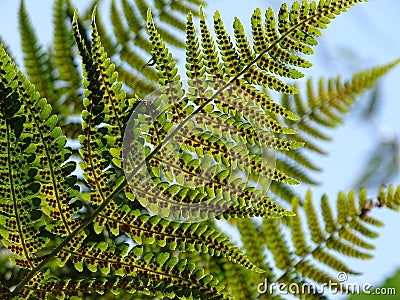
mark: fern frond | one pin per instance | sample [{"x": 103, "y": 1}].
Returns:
[
  {"x": 63, "y": 54},
  {"x": 324, "y": 109},
  {"x": 128, "y": 20},
  {"x": 108, "y": 44},
  {"x": 68, "y": 73},
  {"x": 283, "y": 191},
  {"x": 238, "y": 285},
  {"x": 7, "y": 50},
  {"x": 167, "y": 71},
  {"x": 145, "y": 230},
  {"x": 205, "y": 146},
  {"x": 159, "y": 273},
  {"x": 388, "y": 197},
  {"x": 275, "y": 241},
  {"x": 36, "y": 61},
  {"x": 222, "y": 99},
  {"x": 121, "y": 34},
  {"x": 316, "y": 232},
  {"x": 326, "y": 105},
  {"x": 186, "y": 7},
  {"x": 104, "y": 103},
  {"x": 37, "y": 186},
  {"x": 294, "y": 172},
  {"x": 250, "y": 237},
  {"x": 131, "y": 16},
  {"x": 298, "y": 237},
  {"x": 264, "y": 208},
  {"x": 172, "y": 20},
  {"x": 329, "y": 235}
]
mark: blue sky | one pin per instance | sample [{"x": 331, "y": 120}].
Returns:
[{"x": 365, "y": 36}]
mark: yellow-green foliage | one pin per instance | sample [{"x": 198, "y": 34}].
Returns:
[{"x": 77, "y": 236}]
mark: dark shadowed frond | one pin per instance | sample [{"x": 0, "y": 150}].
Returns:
[{"x": 37, "y": 189}]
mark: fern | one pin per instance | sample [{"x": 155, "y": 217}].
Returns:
[
  {"x": 325, "y": 108},
  {"x": 36, "y": 62},
  {"x": 38, "y": 186},
  {"x": 129, "y": 28},
  {"x": 60, "y": 81},
  {"x": 140, "y": 219},
  {"x": 344, "y": 235}
]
